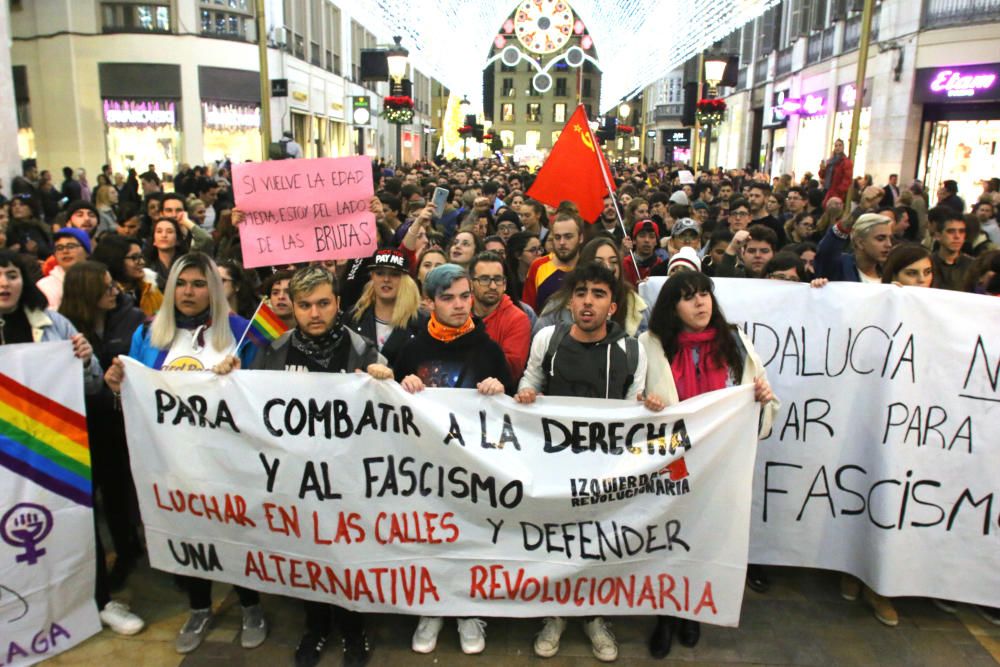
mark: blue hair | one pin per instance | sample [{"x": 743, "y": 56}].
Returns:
[{"x": 441, "y": 278}]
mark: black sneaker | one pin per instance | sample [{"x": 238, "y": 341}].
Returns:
[
  {"x": 357, "y": 650},
  {"x": 309, "y": 649}
]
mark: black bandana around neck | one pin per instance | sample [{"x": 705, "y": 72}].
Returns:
[{"x": 323, "y": 348}]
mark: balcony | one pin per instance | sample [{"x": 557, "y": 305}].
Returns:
[
  {"x": 741, "y": 78},
  {"x": 943, "y": 13},
  {"x": 852, "y": 31},
  {"x": 668, "y": 111},
  {"x": 783, "y": 65},
  {"x": 814, "y": 48}
]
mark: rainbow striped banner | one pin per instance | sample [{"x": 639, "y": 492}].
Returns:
[
  {"x": 265, "y": 327},
  {"x": 44, "y": 441}
]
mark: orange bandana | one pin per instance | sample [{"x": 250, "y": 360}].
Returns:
[{"x": 446, "y": 334}]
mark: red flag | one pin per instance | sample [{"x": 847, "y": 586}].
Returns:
[{"x": 575, "y": 170}]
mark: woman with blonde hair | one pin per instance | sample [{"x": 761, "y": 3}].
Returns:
[
  {"x": 387, "y": 313},
  {"x": 195, "y": 330},
  {"x": 106, "y": 203}
]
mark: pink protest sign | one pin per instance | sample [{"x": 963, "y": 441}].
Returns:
[{"x": 305, "y": 210}]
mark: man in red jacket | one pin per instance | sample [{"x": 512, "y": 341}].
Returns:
[
  {"x": 505, "y": 322},
  {"x": 836, "y": 173}
]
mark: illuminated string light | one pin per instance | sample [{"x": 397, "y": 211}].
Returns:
[{"x": 636, "y": 41}]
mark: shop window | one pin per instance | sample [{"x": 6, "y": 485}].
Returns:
[
  {"x": 507, "y": 138},
  {"x": 507, "y": 113},
  {"x": 534, "y": 113},
  {"x": 559, "y": 112},
  {"x": 231, "y": 19},
  {"x": 532, "y": 138},
  {"x": 135, "y": 17}
]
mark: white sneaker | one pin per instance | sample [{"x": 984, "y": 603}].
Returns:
[
  {"x": 602, "y": 642},
  {"x": 472, "y": 635},
  {"x": 547, "y": 641},
  {"x": 425, "y": 637},
  {"x": 116, "y": 615}
]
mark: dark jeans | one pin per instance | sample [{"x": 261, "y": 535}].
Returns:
[
  {"x": 200, "y": 593},
  {"x": 112, "y": 478},
  {"x": 319, "y": 617},
  {"x": 102, "y": 592}
]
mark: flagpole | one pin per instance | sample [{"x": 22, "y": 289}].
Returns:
[
  {"x": 607, "y": 184},
  {"x": 249, "y": 324}
]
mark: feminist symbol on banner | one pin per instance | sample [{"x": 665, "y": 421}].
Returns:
[{"x": 26, "y": 525}]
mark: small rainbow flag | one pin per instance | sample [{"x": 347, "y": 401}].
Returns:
[
  {"x": 265, "y": 327},
  {"x": 44, "y": 441}
]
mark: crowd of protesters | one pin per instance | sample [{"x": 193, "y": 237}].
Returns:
[{"x": 501, "y": 294}]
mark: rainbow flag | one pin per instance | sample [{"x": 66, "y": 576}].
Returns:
[
  {"x": 265, "y": 327},
  {"x": 44, "y": 441}
]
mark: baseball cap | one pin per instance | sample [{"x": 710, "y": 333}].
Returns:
[
  {"x": 680, "y": 197},
  {"x": 77, "y": 234},
  {"x": 645, "y": 226},
  {"x": 699, "y": 205},
  {"x": 686, "y": 256},
  {"x": 390, "y": 258},
  {"x": 685, "y": 225}
]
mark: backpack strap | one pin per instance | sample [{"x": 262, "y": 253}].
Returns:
[
  {"x": 548, "y": 361},
  {"x": 631, "y": 360}
]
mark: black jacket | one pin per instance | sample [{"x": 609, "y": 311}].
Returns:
[
  {"x": 462, "y": 363},
  {"x": 365, "y": 326},
  {"x": 116, "y": 340},
  {"x": 361, "y": 354}
]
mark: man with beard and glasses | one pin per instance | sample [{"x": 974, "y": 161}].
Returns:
[
  {"x": 592, "y": 357},
  {"x": 546, "y": 273},
  {"x": 505, "y": 322}
]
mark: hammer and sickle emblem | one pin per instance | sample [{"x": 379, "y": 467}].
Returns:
[{"x": 585, "y": 136}]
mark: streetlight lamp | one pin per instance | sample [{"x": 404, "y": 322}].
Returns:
[
  {"x": 715, "y": 69},
  {"x": 396, "y": 58},
  {"x": 463, "y": 105}
]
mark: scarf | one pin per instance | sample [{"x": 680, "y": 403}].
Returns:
[
  {"x": 183, "y": 321},
  {"x": 446, "y": 334},
  {"x": 322, "y": 348},
  {"x": 693, "y": 379},
  {"x": 831, "y": 164}
]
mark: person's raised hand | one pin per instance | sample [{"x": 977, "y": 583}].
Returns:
[{"x": 82, "y": 349}]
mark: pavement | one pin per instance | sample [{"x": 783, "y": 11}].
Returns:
[{"x": 802, "y": 620}]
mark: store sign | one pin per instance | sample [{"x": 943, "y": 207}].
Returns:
[
  {"x": 133, "y": 113},
  {"x": 813, "y": 104},
  {"x": 230, "y": 116},
  {"x": 847, "y": 96},
  {"x": 973, "y": 82},
  {"x": 776, "y": 114},
  {"x": 279, "y": 87},
  {"x": 678, "y": 137}
]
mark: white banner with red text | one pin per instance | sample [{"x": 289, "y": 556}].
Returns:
[
  {"x": 46, "y": 518},
  {"x": 347, "y": 490},
  {"x": 884, "y": 460}
]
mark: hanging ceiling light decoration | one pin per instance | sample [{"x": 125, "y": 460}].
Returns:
[{"x": 451, "y": 39}]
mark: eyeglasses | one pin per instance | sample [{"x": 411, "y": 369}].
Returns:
[
  {"x": 486, "y": 281},
  {"x": 112, "y": 288},
  {"x": 136, "y": 257},
  {"x": 739, "y": 214},
  {"x": 66, "y": 247}
]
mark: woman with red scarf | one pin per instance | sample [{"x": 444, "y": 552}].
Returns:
[{"x": 691, "y": 349}]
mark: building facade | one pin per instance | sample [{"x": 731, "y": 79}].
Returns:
[
  {"x": 528, "y": 117},
  {"x": 165, "y": 82},
  {"x": 930, "y": 104}
]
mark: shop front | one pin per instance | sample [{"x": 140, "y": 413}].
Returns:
[
  {"x": 811, "y": 112},
  {"x": 847, "y": 98},
  {"x": 775, "y": 134},
  {"x": 141, "y": 108},
  {"x": 960, "y": 131},
  {"x": 230, "y": 112},
  {"x": 25, "y": 133},
  {"x": 676, "y": 145}
]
